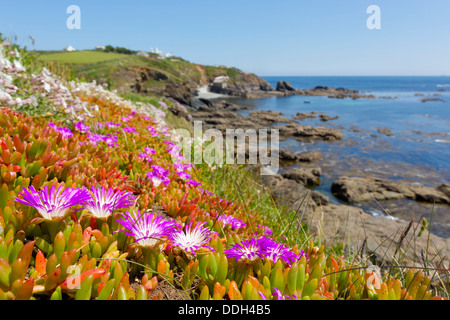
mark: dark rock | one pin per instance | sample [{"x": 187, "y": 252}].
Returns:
[
  {"x": 431, "y": 99},
  {"x": 386, "y": 131},
  {"x": 324, "y": 117},
  {"x": 311, "y": 156},
  {"x": 445, "y": 189},
  {"x": 292, "y": 194},
  {"x": 268, "y": 118},
  {"x": 303, "y": 132},
  {"x": 286, "y": 155},
  {"x": 305, "y": 176},
  {"x": 284, "y": 86},
  {"x": 360, "y": 189},
  {"x": 303, "y": 116}
]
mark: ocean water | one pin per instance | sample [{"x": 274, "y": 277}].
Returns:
[{"x": 417, "y": 152}]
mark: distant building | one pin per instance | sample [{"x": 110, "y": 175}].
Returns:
[
  {"x": 161, "y": 54},
  {"x": 100, "y": 48},
  {"x": 143, "y": 54},
  {"x": 220, "y": 83},
  {"x": 69, "y": 48}
]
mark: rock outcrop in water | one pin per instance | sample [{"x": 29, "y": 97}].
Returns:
[
  {"x": 362, "y": 189},
  {"x": 308, "y": 133},
  {"x": 284, "y": 86},
  {"x": 224, "y": 119},
  {"x": 305, "y": 176}
]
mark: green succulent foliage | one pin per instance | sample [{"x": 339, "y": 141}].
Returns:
[{"x": 83, "y": 257}]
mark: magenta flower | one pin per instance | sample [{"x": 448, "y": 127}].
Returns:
[
  {"x": 275, "y": 251},
  {"x": 130, "y": 130},
  {"x": 66, "y": 133},
  {"x": 192, "y": 238},
  {"x": 147, "y": 229},
  {"x": 279, "y": 296},
  {"x": 53, "y": 203},
  {"x": 98, "y": 125},
  {"x": 159, "y": 175},
  {"x": 113, "y": 125},
  {"x": 182, "y": 167},
  {"x": 184, "y": 175},
  {"x": 193, "y": 183},
  {"x": 102, "y": 202},
  {"x": 145, "y": 157},
  {"x": 263, "y": 248},
  {"x": 206, "y": 191},
  {"x": 266, "y": 230},
  {"x": 235, "y": 222},
  {"x": 82, "y": 127},
  {"x": 152, "y": 131},
  {"x": 149, "y": 150},
  {"x": 248, "y": 250},
  {"x": 109, "y": 139}
]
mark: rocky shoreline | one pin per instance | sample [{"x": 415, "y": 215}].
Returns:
[
  {"x": 377, "y": 237},
  {"x": 260, "y": 89}
]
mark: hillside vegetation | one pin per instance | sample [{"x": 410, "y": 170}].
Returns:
[
  {"x": 98, "y": 203},
  {"x": 145, "y": 75}
]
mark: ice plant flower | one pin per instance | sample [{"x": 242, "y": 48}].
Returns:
[
  {"x": 183, "y": 175},
  {"x": 275, "y": 251},
  {"x": 145, "y": 157},
  {"x": 149, "y": 150},
  {"x": 103, "y": 202},
  {"x": 146, "y": 228},
  {"x": 99, "y": 126},
  {"x": 82, "y": 127},
  {"x": 152, "y": 131},
  {"x": 109, "y": 139},
  {"x": 182, "y": 167},
  {"x": 193, "y": 183},
  {"x": 66, "y": 133},
  {"x": 248, "y": 250},
  {"x": 192, "y": 238},
  {"x": 279, "y": 296},
  {"x": 130, "y": 130},
  {"x": 266, "y": 230},
  {"x": 159, "y": 175},
  {"x": 51, "y": 203},
  {"x": 235, "y": 222},
  {"x": 113, "y": 125}
]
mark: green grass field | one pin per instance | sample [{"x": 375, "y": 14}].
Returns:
[{"x": 80, "y": 57}]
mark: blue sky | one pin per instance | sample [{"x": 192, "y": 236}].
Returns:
[{"x": 302, "y": 37}]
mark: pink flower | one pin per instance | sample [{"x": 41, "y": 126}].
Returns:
[
  {"x": 82, "y": 127},
  {"x": 147, "y": 229},
  {"x": 130, "y": 130}
]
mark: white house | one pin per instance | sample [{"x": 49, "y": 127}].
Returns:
[
  {"x": 161, "y": 54},
  {"x": 220, "y": 83},
  {"x": 100, "y": 48},
  {"x": 69, "y": 48}
]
